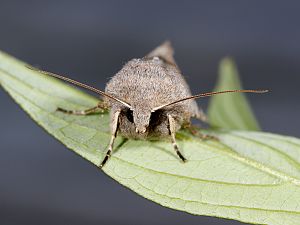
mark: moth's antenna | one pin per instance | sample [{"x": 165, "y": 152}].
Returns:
[
  {"x": 80, "y": 85},
  {"x": 209, "y": 94}
]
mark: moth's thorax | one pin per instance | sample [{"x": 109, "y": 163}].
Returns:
[{"x": 148, "y": 82}]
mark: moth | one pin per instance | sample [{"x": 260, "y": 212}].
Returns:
[{"x": 148, "y": 99}]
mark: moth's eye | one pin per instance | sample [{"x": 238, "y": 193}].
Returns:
[
  {"x": 129, "y": 115},
  {"x": 156, "y": 117}
]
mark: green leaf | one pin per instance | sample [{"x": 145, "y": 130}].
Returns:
[
  {"x": 231, "y": 111},
  {"x": 248, "y": 176}
]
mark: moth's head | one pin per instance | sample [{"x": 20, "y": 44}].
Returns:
[
  {"x": 142, "y": 118},
  {"x": 139, "y": 117}
]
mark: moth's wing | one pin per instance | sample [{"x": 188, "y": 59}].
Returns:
[{"x": 165, "y": 51}]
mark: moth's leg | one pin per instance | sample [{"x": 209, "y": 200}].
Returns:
[
  {"x": 100, "y": 107},
  {"x": 78, "y": 112},
  {"x": 195, "y": 131},
  {"x": 172, "y": 130},
  {"x": 200, "y": 115},
  {"x": 114, "y": 130},
  {"x": 206, "y": 136}
]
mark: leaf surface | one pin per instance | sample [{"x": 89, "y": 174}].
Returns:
[{"x": 248, "y": 176}]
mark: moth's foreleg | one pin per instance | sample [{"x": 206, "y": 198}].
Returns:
[
  {"x": 114, "y": 130},
  {"x": 172, "y": 130},
  {"x": 100, "y": 107}
]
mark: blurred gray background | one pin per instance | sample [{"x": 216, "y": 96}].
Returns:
[{"x": 41, "y": 182}]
